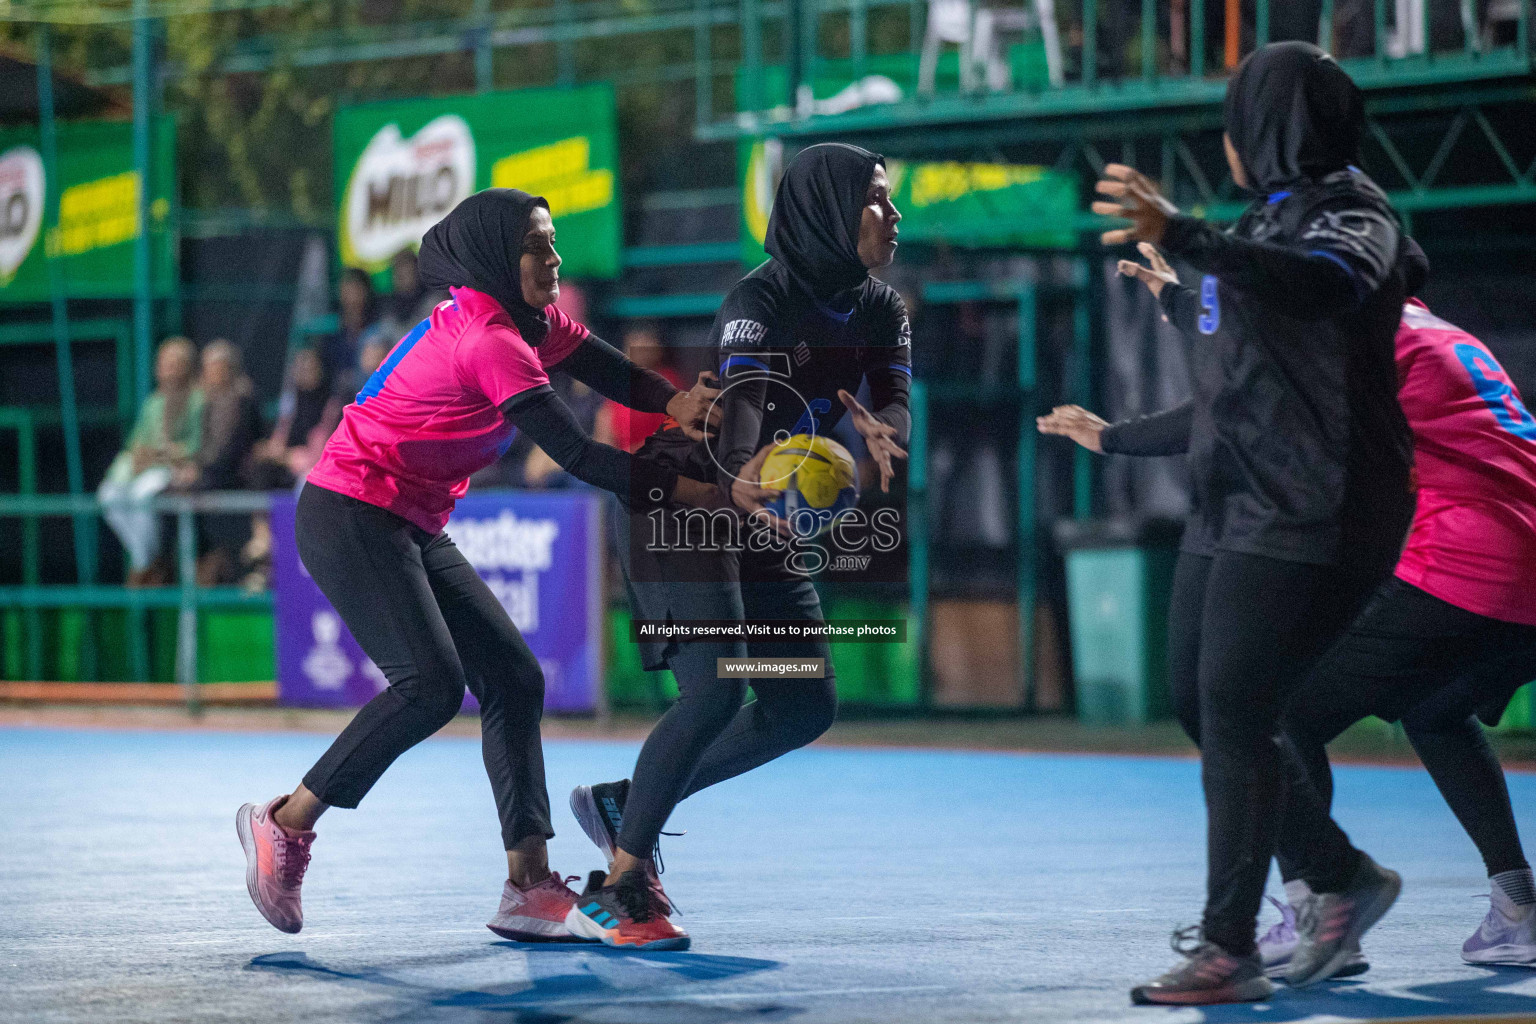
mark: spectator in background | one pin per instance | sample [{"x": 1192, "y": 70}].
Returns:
[
  {"x": 625, "y": 428},
  {"x": 166, "y": 436},
  {"x": 309, "y": 410},
  {"x": 374, "y": 349},
  {"x": 359, "y": 311},
  {"x": 231, "y": 427},
  {"x": 409, "y": 302}
]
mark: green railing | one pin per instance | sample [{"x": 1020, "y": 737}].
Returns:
[
  {"x": 962, "y": 60},
  {"x": 186, "y": 596}
]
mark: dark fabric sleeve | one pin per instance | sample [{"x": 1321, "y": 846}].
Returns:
[
  {"x": 610, "y": 373},
  {"x": 1181, "y": 305},
  {"x": 887, "y": 366},
  {"x": 743, "y": 332},
  {"x": 1345, "y": 253},
  {"x": 1159, "y": 433},
  {"x": 741, "y": 423},
  {"x": 549, "y": 423}
]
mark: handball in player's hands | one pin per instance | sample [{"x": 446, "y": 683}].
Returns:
[
  {"x": 1077, "y": 423},
  {"x": 696, "y": 410},
  {"x": 1136, "y": 198},
  {"x": 1154, "y": 274},
  {"x": 878, "y": 435},
  {"x": 749, "y": 494}
]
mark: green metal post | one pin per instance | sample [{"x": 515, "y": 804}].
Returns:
[
  {"x": 1090, "y": 42},
  {"x": 917, "y": 535},
  {"x": 1424, "y": 26},
  {"x": 1325, "y": 27},
  {"x": 752, "y": 54},
  {"x": 20, "y": 420},
  {"x": 143, "y": 117},
  {"x": 69, "y": 413},
  {"x": 1380, "y": 16},
  {"x": 485, "y": 57},
  {"x": 1149, "y": 39},
  {"x": 186, "y": 622},
  {"x": 1197, "y": 39},
  {"x": 810, "y": 39},
  {"x": 1523, "y": 28},
  {"x": 1261, "y": 23},
  {"x": 1082, "y": 386},
  {"x": 858, "y": 36},
  {"x": 1027, "y": 540}
]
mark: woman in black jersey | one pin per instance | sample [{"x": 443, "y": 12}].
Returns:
[
  {"x": 1298, "y": 459},
  {"x": 796, "y": 337}
]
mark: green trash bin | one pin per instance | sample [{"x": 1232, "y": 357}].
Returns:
[{"x": 1119, "y": 575}]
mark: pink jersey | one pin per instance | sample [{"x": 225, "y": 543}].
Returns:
[
  {"x": 1473, "y": 542},
  {"x": 430, "y": 414}
]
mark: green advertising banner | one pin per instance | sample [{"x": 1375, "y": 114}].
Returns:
[
  {"x": 97, "y": 188},
  {"x": 400, "y": 167},
  {"x": 967, "y": 204}
]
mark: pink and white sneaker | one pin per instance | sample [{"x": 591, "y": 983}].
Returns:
[
  {"x": 275, "y": 859},
  {"x": 537, "y": 913}
]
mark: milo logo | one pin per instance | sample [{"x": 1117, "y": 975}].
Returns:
[
  {"x": 400, "y": 187},
  {"x": 21, "y": 207}
]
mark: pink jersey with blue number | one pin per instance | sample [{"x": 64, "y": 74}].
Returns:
[
  {"x": 1473, "y": 542},
  {"x": 430, "y": 414}
]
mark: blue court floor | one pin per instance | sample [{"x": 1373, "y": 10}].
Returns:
[{"x": 835, "y": 885}]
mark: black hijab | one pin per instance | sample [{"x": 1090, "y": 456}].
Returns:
[
  {"x": 479, "y": 245},
  {"x": 1293, "y": 114},
  {"x": 814, "y": 227}
]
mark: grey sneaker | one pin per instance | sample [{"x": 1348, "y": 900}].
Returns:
[
  {"x": 1332, "y": 923},
  {"x": 1208, "y": 975},
  {"x": 1506, "y": 936},
  {"x": 599, "y": 810},
  {"x": 1278, "y": 944}
]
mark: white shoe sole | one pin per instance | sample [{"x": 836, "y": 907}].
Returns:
[
  {"x": 534, "y": 929},
  {"x": 590, "y": 817},
  {"x": 1255, "y": 990},
  {"x": 580, "y": 924},
  {"x": 1502, "y": 956},
  {"x": 252, "y": 885}
]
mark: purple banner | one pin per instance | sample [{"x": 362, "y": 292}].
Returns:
[{"x": 541, "y": 555}]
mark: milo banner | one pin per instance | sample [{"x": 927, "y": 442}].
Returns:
[
  {"x": 97, "y": 188},
  {"x": 400, "y": 167},
  {"x": 966, "y": 204},
  {"x": 541, "y": 555}
]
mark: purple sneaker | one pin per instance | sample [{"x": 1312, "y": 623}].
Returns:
[
  {"x": 1506, "y": 936},
  {"x": 275, "y": 860}
]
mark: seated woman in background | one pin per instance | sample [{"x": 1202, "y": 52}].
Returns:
[
  {"x": 165, "y": 435},
  {"x": 308, "y": 413}
]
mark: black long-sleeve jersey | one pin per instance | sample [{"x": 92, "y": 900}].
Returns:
[
  {"x": 1297, "y": 444},
  {"x": 783, "y": 356}
]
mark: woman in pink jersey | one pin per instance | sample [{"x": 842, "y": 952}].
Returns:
[
  {"x": 443, "y": 404},
  {"x": 1445, "y": 641}
]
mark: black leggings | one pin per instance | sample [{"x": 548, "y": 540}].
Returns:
[
  {"x": 1414, "y": 657},
  {"x": 1244, "y": 632},
  {"x": 708, "y": 735},
  {"x": 420, "y": 611}
]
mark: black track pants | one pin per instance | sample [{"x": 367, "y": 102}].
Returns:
[
  {"x": 1414, "y": 657},
  {"x": 708, "y": 735},
  {"x": 422, "y": 613},
  {"x": 1245, "y": 630}
]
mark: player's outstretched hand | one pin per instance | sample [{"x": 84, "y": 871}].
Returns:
[
  {"x": 1154, "y": 274},
  {"x": 1075, "y": 422},
  {"x": 878, "y": 435},
  {"x": 1136, "y": 198},
  {"x": 696, "y": 410},
  {"x": 749, "y": 494}
]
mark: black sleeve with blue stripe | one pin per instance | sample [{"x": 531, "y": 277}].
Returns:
[
  {"x": 742, "y": 333},
  {"x": 1344, "y": 252}
]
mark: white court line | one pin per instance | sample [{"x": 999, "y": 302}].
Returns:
[{"x": 702, "y": 997}]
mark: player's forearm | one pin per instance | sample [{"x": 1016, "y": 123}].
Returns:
[
  {"x": 741, "y": 424},
  {"x": 1306, "y": 285},
  {"x": 890, "y": 401},
  {"x": 547, "y": 421},
  {"x": 613, "y": 375},
  {"x": 1159, "y": 433}
]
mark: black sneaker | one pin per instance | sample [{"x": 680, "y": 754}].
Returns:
[
  {"x": 1209, "y": 974},
  {"x": 599, "y": 811},
  {"x": 630, "y": 914},
  {"x": 1332, "y": 923}
]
